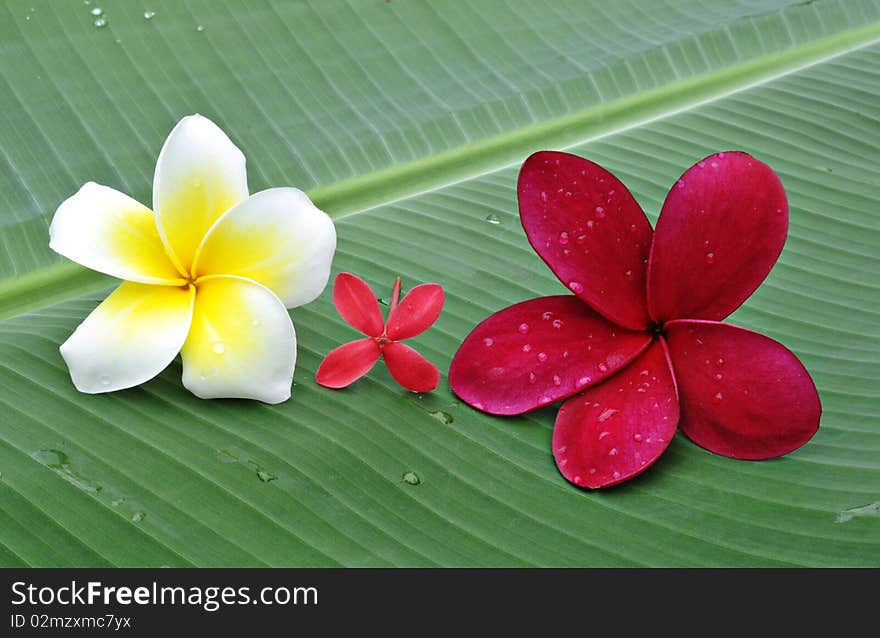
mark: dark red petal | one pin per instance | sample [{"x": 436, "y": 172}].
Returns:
[
  {"x": 357, "y": 304},
  {"x": 721, "y": 229},
  {"x": 743, "y": 395},
  {"x": 538, "y": 352},
  {"x": 417, "y": 311},
  {"x": 589, "y": 229},
  {"x": 347, "y": 363},
  {"x": 616, "y": 430},
  {"x": 410, "y": 369}
]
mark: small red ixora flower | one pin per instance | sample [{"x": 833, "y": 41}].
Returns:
[
  {"x": 640, "y": 347},
  {"x": 357, "y": 304}
]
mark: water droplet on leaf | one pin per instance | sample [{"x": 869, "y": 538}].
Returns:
[
  {"x": 411, "y": 477},
  {"x": 97, "y": 11},
  {"x": 101, "y": 22},
  {"x": 138, "y": 516},
  {"x": 149, "y": 15}
]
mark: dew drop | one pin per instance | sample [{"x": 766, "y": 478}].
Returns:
[
  {"x": 149, "y": 15},
  {"x": 492, "y": 218},
  {"x": 710, "y": 258},
  {"x": 542, "y": 356},
  {"x": 612, "y": 452},
  {"x": 720, "y": 361},
  {"x": 546, "y": 316},
  {"x": 715, "y": 164},
  {"x": 101, "y": 22},
  {"x": 577, "y": 480},
  {"x": 97, "y": 11},
  {"x": 616, "y": 474},
  {"x": 557, "y": 323},
  {"x": 602, "y": 435},
  {"x": 706, "y": 244},
  {"x": 602, "y": 367},
  {"x": 557, "y": 380},
  {"x": 543, "y": 196},
  {"x": 488, "y": 341},
  {"x": 563, "y": 238},
  {"x": 583, "y": 381},
  {"x": 607, "y": 414},
  {"x": 576, "y": 287},
  {"x": 600, "y": 212},
  {"x": 633, "y": 229},
  {"x": 138, "y": 516},
  {"x": 592, "y": 470},
  {"x": 628, "y": 274},
  {"x": 200, "y": 28},
  {"x": 219, "y": 347},
  {"x": 411, "y": 478},
  {"x": 532, "y": 377},
  {"x": 565, "y": 354},
  {"x": 680, "y": 184},
  {"x": 637, "y": 437},
  {"x": 718, "y": 376},
  {"x": 590, "y": 224},
  {"x": 523, "y": 328},
  {"x": 527, "y": 348},
  {"x": 717, "y": 398},
  {"x": 581, "y": 239}
]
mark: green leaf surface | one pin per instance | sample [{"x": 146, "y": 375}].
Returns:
[{"x": 406, "y": 121}]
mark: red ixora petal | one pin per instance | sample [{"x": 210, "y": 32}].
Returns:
[
  {"x": 743, "y": 395},
  {"x": 616, "y": 430},
  {"x": 720, "y": 231},
  {"x": 589, "y": 229},
  {"x": 357, "y": 304},
  {"x": 537, "y": 352},
  {"x": 410, "y": 369},
  {"x": 347, "y": 363},
  {"x": 417, "y": 311}
]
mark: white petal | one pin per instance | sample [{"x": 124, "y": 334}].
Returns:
[
  {"x": 130, "y": 338},
  {"x": 241, "y": 344},
  {"x": 200, "y": 174},
  {"x": 277, "y": 237},
  {"x": 105, "y": 230}
]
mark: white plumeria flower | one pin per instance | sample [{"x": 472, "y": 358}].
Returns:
[{"x": 208, "y": 273}]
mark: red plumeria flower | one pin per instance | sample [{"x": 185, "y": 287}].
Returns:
[
  {"x": 357, "y": 304},
  {"x": 640, "y": 347}
]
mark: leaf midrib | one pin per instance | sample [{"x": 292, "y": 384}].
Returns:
[{"x": 65, "y": 280}]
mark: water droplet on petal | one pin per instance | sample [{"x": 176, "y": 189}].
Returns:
[
  {"x": 488, "y": 341},
  {"x": 523, "y": 328},
  {"x": 718, "y": 376},
  {"x": 590, "y": 224},
  {"x": 532, "y": 377},
  {"x": 607, "y": 414},
  {"x": 542, "y": 356},
  {"x": 557, "y": 380},
  {"x": 717, "y": 398},
  {"x": 720, "y": 361},
  {"x": 680, "y": 184},
  {"x": 576, "y": 287},
  {"x": 219, "y": 347},
  {"x": 710, "y": 258},
  {"x": 616, "y": 474},
  {"x": 545, "y": 316},
  {"x": 600, "y": 212},
  {"x": 637, "y": 437},
  {"x": 602, "y": 367},
  {"x": 628, "y": 274},
  {"x": 581, "y": 239},
  {"x": 715, "y": 164},
  {"x": 592, "y": 470},
  {"x": 602, "y": 435},
  {"x": 557, "y": 323},
  {"x": 633, "y": 229},
  {"x": 543, "y": 196},
  {"x": 612, "y": 452},
  {"x": 527, "y": 348},
  {"x": 583, "y": 381}
]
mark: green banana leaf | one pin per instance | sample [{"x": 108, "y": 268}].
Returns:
[{"x": 406, "y": 120}]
